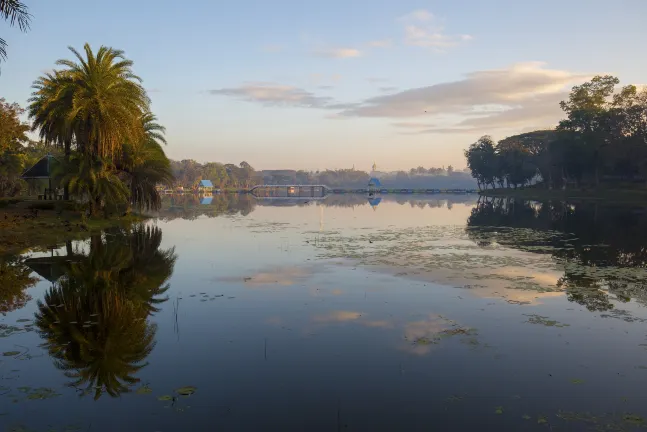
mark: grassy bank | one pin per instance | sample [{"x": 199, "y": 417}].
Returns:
[
  {"x": 601, "y": 194},
  {"x": 26, "y": 224}
]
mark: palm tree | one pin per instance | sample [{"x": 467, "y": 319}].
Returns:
[
  {"x": 146, "y": 165},
  {"x": 107, "y": 103},
  {"x": 97, "y": 105},
  {"x": 97, "y": 102},
  {"x": 94, "y": 180},
  {"x": 16, "y": 13}
]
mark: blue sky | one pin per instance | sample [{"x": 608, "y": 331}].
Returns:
[{"x": 340, "y": 83}]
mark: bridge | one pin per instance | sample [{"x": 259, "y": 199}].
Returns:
[{"x": 290, "y": 191}]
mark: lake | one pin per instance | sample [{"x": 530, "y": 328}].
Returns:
[{"x": 411, "y": 313}]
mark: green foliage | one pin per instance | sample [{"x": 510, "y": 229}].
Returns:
[
  {"x": 12, "y": 150},
  {"x": 96, "y": 109},
  {"x": 15, "y": 12},
  {"x": 603, "y": 139}
]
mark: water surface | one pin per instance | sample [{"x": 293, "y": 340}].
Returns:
[{"x": 405, "y": 313}]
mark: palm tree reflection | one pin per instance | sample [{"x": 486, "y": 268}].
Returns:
[{"x": 94, "y": 319}]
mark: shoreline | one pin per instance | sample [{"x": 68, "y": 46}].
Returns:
[
  {"x": 627, "y": 196},
  {"x": 32, "y": 224}
]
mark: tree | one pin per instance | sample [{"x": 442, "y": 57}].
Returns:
[
  {"x": 586, "y": 111},
  {"x": 96, "y": 109},
  {"x": 482, "y": 161},
  {"x": 12, "y": 152},
  {"x": 16, "y": 13},
  {"x": 145, "y": 165}
]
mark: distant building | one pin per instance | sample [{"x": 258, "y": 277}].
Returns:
[
  {"x": 374, "y": 185},
  {"x": 205, "y": 186}
]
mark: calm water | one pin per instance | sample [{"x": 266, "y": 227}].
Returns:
[{"x": 409, "y": 313}]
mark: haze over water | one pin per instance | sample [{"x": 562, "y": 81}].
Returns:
[{"x": 413, "y": 313}]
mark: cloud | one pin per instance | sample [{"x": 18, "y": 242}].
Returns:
[
  {"x": 374, "y": 80},
  {"x": 272, "y": 94},
  {"x": 423, "y": 29},
  {"x": 325, "y": 87},
  {"x": 386, "y": 43},
  {"x": 388, "y": 89},
  {"x": 338, "y": 52},
  {"x": 522, "y": 94}
]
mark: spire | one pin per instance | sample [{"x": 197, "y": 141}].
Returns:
[{"x": 374, "y": 166}]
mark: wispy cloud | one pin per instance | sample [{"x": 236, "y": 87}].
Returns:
[
  {"x": 388, "y": 89},
  {"x": 272, "y": 94},
  {"x": 338, "y": 52},
  {"x": 375, "y": 80},
  {"x": 522, "y": 94},
  {"x": 423, "y": 29}
]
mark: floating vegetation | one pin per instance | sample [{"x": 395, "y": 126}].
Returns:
[
  {"x": 577, "y": 381},
  {"x": 38, "y": 393},
  {"x": 432, "y": 330},
  {"x": 498, "y": 410},
  {"x": 22, "y": 320},
  {"x": 542, "y": 419},
  {"x": 605, "y": 422},
  {"x": 526, "y": 417},
  {"x": 186, "y": 391},
  {"x": 165, "y": 398},
  {"x": 542, "y": 320},
  {"x": 144, "y": 390},
  {"x": 8, "y": 330},
  {"x": 10, "y": 353}
]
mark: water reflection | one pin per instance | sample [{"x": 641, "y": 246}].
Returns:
[
  {"x": 191, "y": 206},
  {"x": 15, "y": 279},
  {"x": 602, "y": 249},
  {"x": 94, "y": 317}
]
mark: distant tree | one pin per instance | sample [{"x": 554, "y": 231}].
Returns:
[{"x": 12, "y": 151}]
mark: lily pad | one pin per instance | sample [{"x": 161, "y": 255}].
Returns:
[
  {"x": 186, "y": 391},
  {"x": 22, "y": 320},
  {"x": 165, "y": 398},
  {"x": 498, "y": 410},
  {"x": 10, "y": 353},
  {"x": 577, "y": 381},
  {"x": 144, "y": 390},
  {"x": 526, "y": 417},
  {"x": 542, "y": 420}
]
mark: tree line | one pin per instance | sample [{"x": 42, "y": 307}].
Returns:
[
  {"x": 602, "y": 141},
  {"x": 188, "y": 173}
]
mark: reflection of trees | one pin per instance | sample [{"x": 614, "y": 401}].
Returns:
[
  {"x": 14, "y": 280},
  {"x": 188, "y": 206},
  {"x": 94, "y": 318},
  {"x": 603, "y": 248}
]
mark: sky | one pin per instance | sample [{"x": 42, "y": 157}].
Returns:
[{"x": 342, "y": 83}]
